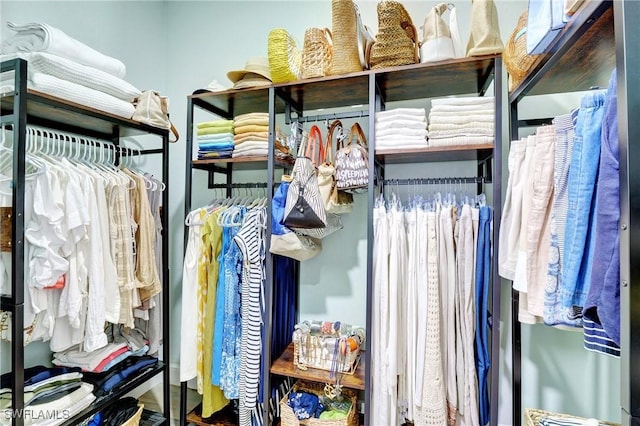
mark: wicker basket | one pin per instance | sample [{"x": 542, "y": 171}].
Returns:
[
  {"x": 516, "y": 60},
  {"x": 285, "y": 59},
  {"x": 533, "y": 416},
  {"x": 317, "y": 52},
  {"x": 344, "y": 27},
  {"x": 311, "y": 351},
  {"x": 135, "y": 419},
  {"x": 397, "y": 39},
  {"x": 288, "y": 418},
  {"x": 5, "y": 229}
]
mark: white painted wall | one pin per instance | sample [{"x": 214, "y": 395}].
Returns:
[{"x": 179, "y": 46}]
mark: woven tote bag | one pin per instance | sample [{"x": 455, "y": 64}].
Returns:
[
  {"x": 516, "y": 59},
  {"x": 344, "y": 27},
  {"x": 397, "y": 39},
  {"x": 285, "y": 59},
  {"x": 317, "y": 52}
]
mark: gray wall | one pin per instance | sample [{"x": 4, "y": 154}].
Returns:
[{"x": 178, "y": 46}]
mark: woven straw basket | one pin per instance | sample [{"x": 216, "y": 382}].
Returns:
[
  {"x": 5, "y": 229},
  {"x": 285, "y": 59},
  {"x": 516, "y": 60},
  {"x": 317, "y": 53},
  {"x": 288, "y": 418},
  {"x": 397, "y": 39},
  {"x": 344, "y": 27},
  {"x": 534, "y": 415},
  {"x": 135, "y": 419}
]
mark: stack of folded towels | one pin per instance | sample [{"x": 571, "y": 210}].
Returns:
[
  {"x": 401, "y": 128},
  {"x": 251, "y": 135},
  {"x": 215, "y": 139},
  {"x": 62, "y": 66},
  {"x": 462, "y": 121}
]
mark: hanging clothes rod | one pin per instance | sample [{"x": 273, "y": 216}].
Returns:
[
  {"x": 434, "y": 181},
  {"x": 247, "y": 185},
  {"x": 323, "y": 117}
]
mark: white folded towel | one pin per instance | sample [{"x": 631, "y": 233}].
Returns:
[
  {"x": 473, "y": 100},
  {"x": 398, "y": 124},
  {"x": 461, "y": 119},
  {"x": 66, "y": 69},
  {"x": 445, "y": 108},
  {"x": 417, "y": 112},
  {"x": 481, "y": 112},
  {"x": 252, "y": 153},
  {"x": 469, "y": 125},
  {"x": 462, "y": 140},
  {"x": 401, "y": 132},
  {"x": 80, "y": 94},
  {"x": 460, "y": 132},
  {"x": 36, "y": 37},
  {"x": 251, "y": 146},
  {"x": 399, "y": 143}
]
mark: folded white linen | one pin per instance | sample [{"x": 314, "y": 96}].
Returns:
[
  {"x": 251, "y": 153},
  {"x": 468, "y": 125},
  {"x": 417, "y": 112},
  {"x": 251, "y": 145},
  {"x": 397, "y": 124},
  {"x": 461, "y": 118},
  {"x": 80, "y": 94},
  {"x": 74, "y": 72},
  {"x": 37, "y": 37},
  {"x": 472, "y": 100},
  {"x": 403, "y": 131},
  {"x": 459, "y": 132},
  {"x": 457, "y": 113},
  {"x": 399, "y": 143},
  {"x": 215, "y": 137},
  {"x": 462, "y": 140},
  {"x": 439, "y": 108}
]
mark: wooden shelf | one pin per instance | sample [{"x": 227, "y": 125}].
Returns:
[
  {"x": 435, "y": 153},
  {"x": 284, "y": 366},
  {"x": 233, "y": 102},
  {"x": 434, "y": 79},
  {"x": 242, "y": 163},
  {"x": 60, "y": 114},
  {"x": 396, "y": 84},
  {"x": 224, "y": 417},
  {"x": 581, "y": 57}
]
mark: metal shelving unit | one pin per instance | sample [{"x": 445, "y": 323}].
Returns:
[
  {"x": 601, "y": 36},
  {"x": 369, "y": 90},
  {"x": 21, "y": 107}
]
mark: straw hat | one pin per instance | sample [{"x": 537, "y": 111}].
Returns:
[
  {"x": 256, "y": 65},
  {"x": 251, "y": 79}
]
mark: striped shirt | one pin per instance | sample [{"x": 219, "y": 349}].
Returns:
[{"x": 250, "y": 240}]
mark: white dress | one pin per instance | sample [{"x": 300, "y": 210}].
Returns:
[{"x": 189, "y": 317}]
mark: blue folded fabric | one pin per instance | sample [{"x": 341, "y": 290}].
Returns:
[
  {"x": 211, "y": 146},
  {"x": 105, "y": 383},
  {"x": 304, "y": 405},
  {"x": 37, "y": 374}
]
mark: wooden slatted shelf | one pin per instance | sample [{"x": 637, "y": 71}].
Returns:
[
  {"x": 241, "y": 163},
  {"x": 435, "y": 153},
  {"x": 224, "y": 417},
  {"x": 284, "y": 366}
]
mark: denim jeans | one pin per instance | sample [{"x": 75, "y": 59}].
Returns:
[
  {"x": 603, "y": 301},
  {"x": 565, "y": 132},
  {"x": 483, "y": 274},
  {"x": 579, "y": 238}
]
